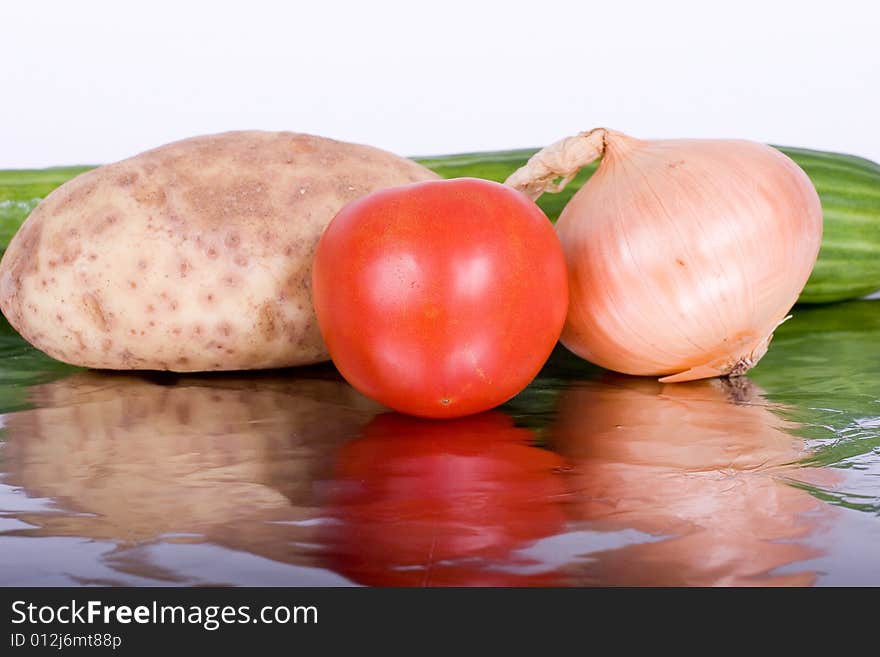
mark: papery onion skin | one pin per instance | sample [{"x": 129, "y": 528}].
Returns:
[{"x": 685, "y": 255}]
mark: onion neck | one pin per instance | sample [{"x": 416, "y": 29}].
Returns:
[{"x": 553, "y": 167}]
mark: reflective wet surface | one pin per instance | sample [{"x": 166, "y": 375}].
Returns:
[{"x": 586, "y": 478}]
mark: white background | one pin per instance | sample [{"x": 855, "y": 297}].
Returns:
[{"x": 91, "y": 82}]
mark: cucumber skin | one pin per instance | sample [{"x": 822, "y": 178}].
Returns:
[
  {"x": 849, "y": 187},
  {"x": 22, "y": 189},
  {"x": 848, "y": 266}
]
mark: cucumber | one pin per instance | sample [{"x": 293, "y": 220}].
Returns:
[
  {"x": 849, "y": 187},
  {"x": 22, "y": 189},
  {"x": 497, "y": 166},
  {"x": 849, "y": 258}
]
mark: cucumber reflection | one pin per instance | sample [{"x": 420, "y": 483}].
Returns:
[
  {"x": 223, "y": 459},
  {"x": 442, "y": 503},
  {"x": 700, "y": 465}
]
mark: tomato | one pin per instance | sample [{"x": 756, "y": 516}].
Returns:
[
  {"x": 443, "y": 503},
  {"x": 441, "y": 298}
]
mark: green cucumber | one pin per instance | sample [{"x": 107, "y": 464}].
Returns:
[
  {"x": 22, "y": 189},
  {"x": 849, "y": 260},
  {"x": 849, "y": 187}
]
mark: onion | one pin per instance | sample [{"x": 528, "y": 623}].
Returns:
[{"x": 683, "y": 255}]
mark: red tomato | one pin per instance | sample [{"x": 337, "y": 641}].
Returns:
[
  {"x": 443, "y": 503},
  {"x": 441, "y": 298}
]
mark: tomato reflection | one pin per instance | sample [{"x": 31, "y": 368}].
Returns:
[
  {"x": 702, "y": 466},
  {"x": 440, "y": 503}
]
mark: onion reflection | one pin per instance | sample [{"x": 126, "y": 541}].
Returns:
[
  {"x": 442, "y": 503},
  {"x": 229, "y": 460},
  {"x": 702, "y": 466}
]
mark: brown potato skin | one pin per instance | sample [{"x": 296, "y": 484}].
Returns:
[{"x": 194, "y": 256}]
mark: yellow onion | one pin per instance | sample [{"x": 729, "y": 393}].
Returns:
[{"x": 683, "y": 255}]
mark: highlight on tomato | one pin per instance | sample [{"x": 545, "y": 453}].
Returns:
[
  {"x": 442, "y": 298},
  {"x": 420, "y": 502}
]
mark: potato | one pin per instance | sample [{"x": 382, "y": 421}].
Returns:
[{"x": 194, "y": 256}]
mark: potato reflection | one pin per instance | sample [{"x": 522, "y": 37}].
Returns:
[
  {"x": 221, "y": 457},
  {"x": 440, "y": 503},
  {"x": 700, "y": 464}
]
